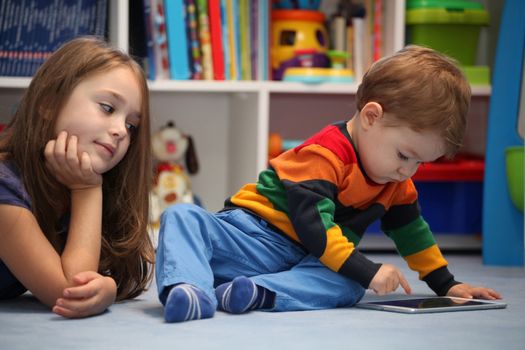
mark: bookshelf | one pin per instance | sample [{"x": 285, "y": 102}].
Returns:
[{"x": 230, "y": 120}]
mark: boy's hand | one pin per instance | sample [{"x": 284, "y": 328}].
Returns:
[
  {"x": 387, "y": 279},
  {"x": 69, "y": 168},
  {"x": 464, "y": 290},
  {"x": 92, "y": 294}
]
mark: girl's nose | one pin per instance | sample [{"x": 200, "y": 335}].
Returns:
[{"x": 118, "y": 129}]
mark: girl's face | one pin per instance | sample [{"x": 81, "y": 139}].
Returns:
[{"x": 103, "y": 111}]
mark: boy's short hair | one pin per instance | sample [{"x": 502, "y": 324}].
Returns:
[{"x": 420, "y": 88}]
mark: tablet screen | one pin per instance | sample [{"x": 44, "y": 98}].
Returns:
[
  {"x": 432, "y": 304},
  {"x": 428, "y": 303}
]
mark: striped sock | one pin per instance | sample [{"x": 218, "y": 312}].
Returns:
[
  {"x": 242, "y": 295},
  {"x": 186, "y": 302}
]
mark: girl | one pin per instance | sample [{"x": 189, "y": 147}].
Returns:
[{"x": 74, "y": 183}]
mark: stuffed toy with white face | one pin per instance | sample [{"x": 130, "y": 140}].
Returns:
[{"x": 175, "y": 156}]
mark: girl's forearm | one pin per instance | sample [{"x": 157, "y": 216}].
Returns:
[{"x": 82, "y": 249}]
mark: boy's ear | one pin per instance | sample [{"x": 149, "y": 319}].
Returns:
[{"x": 370, "y": 113}]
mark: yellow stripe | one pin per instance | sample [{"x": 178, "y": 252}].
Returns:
[
  {"x": 248, "y": 198},
  {"x": 338, "y": 249},
  {"x": 426, "y": 261}
]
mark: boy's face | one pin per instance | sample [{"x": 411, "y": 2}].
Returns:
[
  {"x": 102, "y": 112},
  {"x": 394, "y": 153}
]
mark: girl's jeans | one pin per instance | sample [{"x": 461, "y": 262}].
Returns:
[{"x": 206, "y": 249}]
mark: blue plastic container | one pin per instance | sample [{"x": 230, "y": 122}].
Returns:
[{"x": 449, "y": 207}]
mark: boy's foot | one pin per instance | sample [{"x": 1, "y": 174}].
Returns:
[
  {"x": 242, "y": 295},
  {"x": 186, "y": 302}
]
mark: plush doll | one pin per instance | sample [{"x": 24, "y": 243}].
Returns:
[{"x": 175, "y": 155}]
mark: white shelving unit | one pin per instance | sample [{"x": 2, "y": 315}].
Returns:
[{"x": 230, "y": 121}]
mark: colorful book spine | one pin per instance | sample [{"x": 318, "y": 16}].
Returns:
[
  {"x": 193, "y": 39},
  {"x": 204, "y": 39},
  {"x": 254, "y": 37},
  {"x": 233, "y": 36},
  {"x": 160, "y": 41},
  {"x": 177, "y": 40},
  {"x": 148, "y": 27},
  {"x": 214, "y": 13},
  {"x": 378, "y": 30},
  {"x": 225, "y": 40},
  {"x": 264, "y": 34},
  {"x": 245, "y": 35}
]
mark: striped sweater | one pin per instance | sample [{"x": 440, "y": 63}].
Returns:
[{"x": 318, "y": 195}]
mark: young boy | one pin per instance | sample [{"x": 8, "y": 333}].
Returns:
[{"x": 288, "y": 242}]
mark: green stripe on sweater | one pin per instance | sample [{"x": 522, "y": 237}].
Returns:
[
  {"x": 270, "y": 186},
  {"x": 412, "y": 238},
  {"x": 326, "y": 209}
]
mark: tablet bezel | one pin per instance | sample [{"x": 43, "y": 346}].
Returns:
[{"x": 384, "y": 306}]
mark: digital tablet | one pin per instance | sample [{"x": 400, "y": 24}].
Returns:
[{"x": 431, "y": 304}]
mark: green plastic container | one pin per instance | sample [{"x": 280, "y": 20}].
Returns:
[
  {"x": 477, "y": 75},
  {"x": 449, "y": 26},
  {"x": 514, "y": 163}
]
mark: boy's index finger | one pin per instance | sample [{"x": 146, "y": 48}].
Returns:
[{"x": 404, "y": 284}]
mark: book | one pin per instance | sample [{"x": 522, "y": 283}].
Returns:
[
  {"x": 377, "y": 30},
  {"x": 148, "y": 28},
  {"x": 245, "y": 36},
  {"x": 160, "y": 40},
  {"x": 137, "y": 33},
  {"x": 264, "y": 34},
  {"x": 254, "y": 38},
  {"x": 214, "y": 13},
  {"x": 233, "y": 38},
  {"x": 193, "y": 40},
  {"x": 225, "y": 40},
  {"x": 31, "y": 30},
  {"x": 204, "y": 38},
  {"x": 179, "y": 64}
]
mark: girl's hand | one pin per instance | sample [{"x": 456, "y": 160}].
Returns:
[
  {"x": 387, "y": 279},
  {"x": 465, "y": 290},
  {"x": 91, "y": 295},
  {"x": 70, "y": 169}
]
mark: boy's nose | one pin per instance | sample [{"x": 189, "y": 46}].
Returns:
[{"x": 408, "y": 171}]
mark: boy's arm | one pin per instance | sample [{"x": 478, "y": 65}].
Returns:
[{"x": 416, "y": 244}]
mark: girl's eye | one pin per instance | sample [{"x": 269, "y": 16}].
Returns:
[
  {"x": 402, "y": 156},
  {"x": 131, "y": 128},
  {"x": 107, "y": 108}
]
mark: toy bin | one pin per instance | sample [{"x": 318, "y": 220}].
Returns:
[
  {"x": 450, "y": 194},
  {"x": 449, "y": 26}
]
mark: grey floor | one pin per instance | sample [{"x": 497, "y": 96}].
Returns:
[{"x": 138, "y": 324}]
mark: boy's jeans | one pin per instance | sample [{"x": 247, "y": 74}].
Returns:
[{"x": 205, "y": 249}]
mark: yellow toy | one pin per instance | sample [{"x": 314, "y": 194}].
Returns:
[{"x": 299, "y": 39}]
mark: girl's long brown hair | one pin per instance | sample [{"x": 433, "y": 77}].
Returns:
[{"x": 127, "y": 252}]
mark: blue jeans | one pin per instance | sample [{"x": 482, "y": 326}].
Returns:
[{"x": 205, "y": 249}]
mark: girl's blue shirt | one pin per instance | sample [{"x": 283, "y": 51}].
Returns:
[{"x": 12, "y": 192}]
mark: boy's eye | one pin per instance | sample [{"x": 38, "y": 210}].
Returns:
[
  {"x": 107, "y": 108},
  {"x": 402, "y": 156}
]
